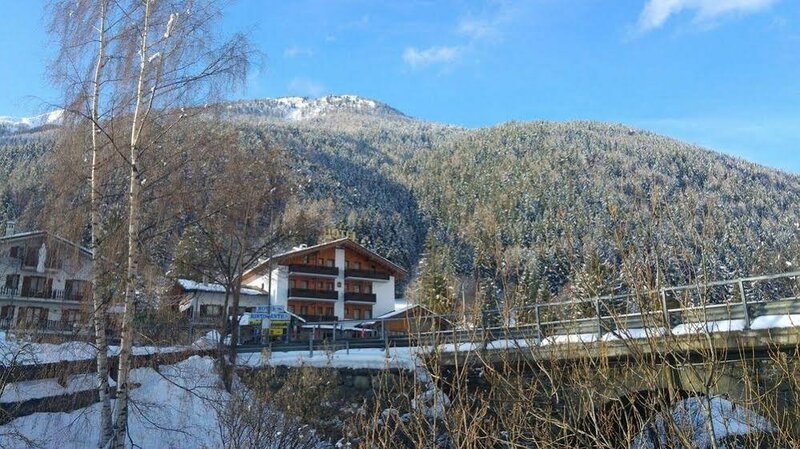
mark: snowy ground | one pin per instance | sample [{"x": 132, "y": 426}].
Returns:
[
  {"x": 21, "y": 352},
  {"x": 173, "y": 408},
  {"x": 37, "y": 389}
]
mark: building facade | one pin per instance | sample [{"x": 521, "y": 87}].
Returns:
[
  {"x": 336, "y": 280},
  {"x": 45, "y": 281},
  {"x": 205, "y": 302}
]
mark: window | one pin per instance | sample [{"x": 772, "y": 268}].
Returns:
[
  {"x": 357, "y": 288},
  {"x": 304, "y": 310},
  {"x": 305, "y": 260},
  {"x": 32, "y": 314},
  {"x": 358, "y": 265},
  {"x": 330, "y": 311},
  {"x": 14, "y": 252},
  {"x": 320, "y": 262},
  {"x": 329, "y": 286},
  {"x": 36, "y": 286},
  {"x": 291, "y": 283},
  {"x": 76, "y": 290},
  {"x": 54, "y": 261},
  {"x": 368, "y": 288},
  {"x": 31, "y": 257},
  {"x": 70, "y": 316},
  {"x": 6, "y": 312},
  {"x": 304, "y": 284},
  {"x": 367, "y": 314},
  {"x": 346, "y": 264},
  {"x": 211, "y": 310},
  {"x": 356, "y": 314},
  {"x": 331, "y": 262},
  {"x": 12, "y": 281}
]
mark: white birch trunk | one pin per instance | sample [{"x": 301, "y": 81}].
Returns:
[
  {"x": 121, "y": 408},
  {"x": 98, "y": 301}
]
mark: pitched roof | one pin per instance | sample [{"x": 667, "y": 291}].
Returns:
[
  {"x": 194, "y": 286},
  {"x": 45, "y": 234},
  {"x": 345, "y": 242}
]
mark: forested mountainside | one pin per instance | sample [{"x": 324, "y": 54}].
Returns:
[{"x": 539, "y": 205}]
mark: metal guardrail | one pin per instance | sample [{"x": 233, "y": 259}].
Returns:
[{"x": 664, "y": 309}]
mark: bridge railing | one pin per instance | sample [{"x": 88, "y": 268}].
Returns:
[{"x": 740, "y": 300}]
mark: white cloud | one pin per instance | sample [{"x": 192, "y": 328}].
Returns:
[
  {"x": 657, "y": 12},
  {"x": 478, "y": 28},
  {"x": 296, "y": 51},
  {"x": 432, "y": 55},
  {"x": 490, "y": 24},
  {"x": 306, "y": 87}
]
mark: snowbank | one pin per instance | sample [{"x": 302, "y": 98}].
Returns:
[
  {"x": 398, "y": 358},
  {"x": 171, "y": 408},
  {"x": 20, "y": 352},
  {"x": 567, "y": 339},
  {"x": 708, "y": 327},
  {"x": 633, "y": 334},
  {"x": 692, "y": 416},
  {"x": 775, "y": 322},
  {"x": 37, "y": 389}
]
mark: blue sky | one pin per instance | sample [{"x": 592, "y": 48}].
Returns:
[{"x": 721, "y": 73}]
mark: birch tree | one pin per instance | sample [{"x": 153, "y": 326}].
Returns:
[
  {"x": 77, "y": 44},
  {"x": 135, "y": 72}
]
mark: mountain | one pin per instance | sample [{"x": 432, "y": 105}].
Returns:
[
  {"x": 304, "y": 108},
  {"x": 9, "y": 125},
  {"x": 539, "y": 208}
]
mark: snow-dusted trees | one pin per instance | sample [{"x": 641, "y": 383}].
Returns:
[{"x": 436, "y": 278}]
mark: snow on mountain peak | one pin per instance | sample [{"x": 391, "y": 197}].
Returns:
[
  {"x": 304, "y": 108},
  {"x": 14, "y": 124}
]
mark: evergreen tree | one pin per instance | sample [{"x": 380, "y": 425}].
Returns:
[{"x": 436, "y": 277}]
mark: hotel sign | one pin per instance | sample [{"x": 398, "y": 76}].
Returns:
[{"x": 336, "y": 234}]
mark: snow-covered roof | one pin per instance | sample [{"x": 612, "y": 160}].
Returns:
[
  {"x": 194, "y": 286},
  {"x": 45, "y": 234}
]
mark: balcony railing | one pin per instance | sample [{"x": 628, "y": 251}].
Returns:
[
  {"x": 318, "y": 318},
  {"x": 314, "y": 270},
  {"x": 366, "y": 274},
  {"x": 59, "y": 295},
  {"x": 362, "y": 297},
  {"x": 313, "y": 294}
]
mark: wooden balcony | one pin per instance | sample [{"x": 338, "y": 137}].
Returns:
[
  {"x": 314, "y": 270},
  {"x": 366, "y": 274},
  {"x": 318, "y": 318},
  {"x": 302, "y": 293},
  {"x": 360, "y": 297}
]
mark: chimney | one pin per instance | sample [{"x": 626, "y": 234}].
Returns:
[{"x": 10, "y": 225}]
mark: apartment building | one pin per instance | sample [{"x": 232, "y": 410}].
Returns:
[
  {"x": 336, "y": 280},
  {"x": 44, "y": 280}
]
